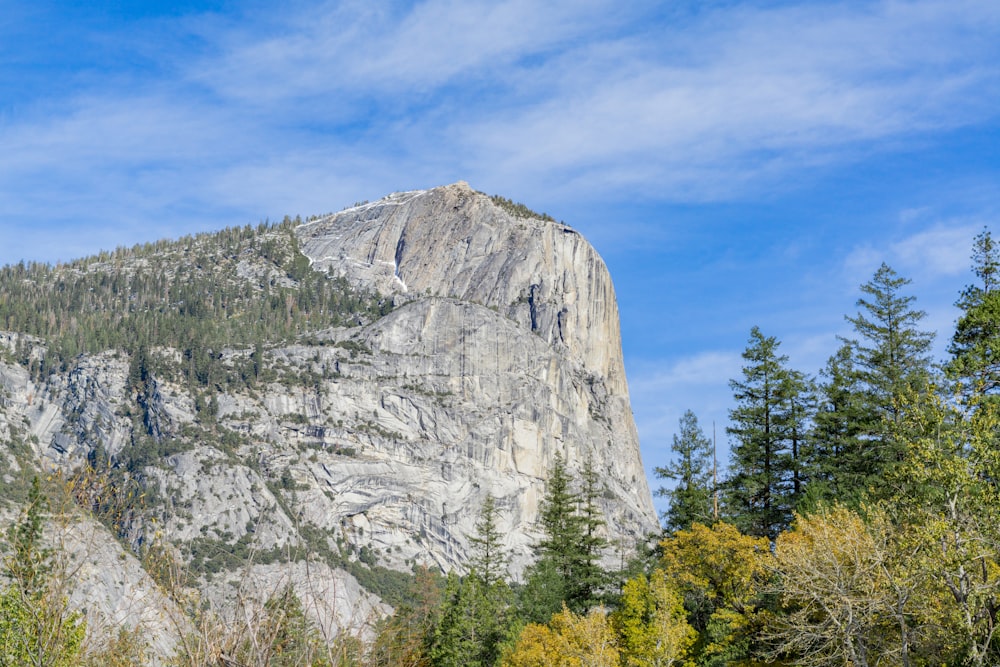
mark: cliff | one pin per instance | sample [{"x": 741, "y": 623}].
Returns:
[{"x": 365, "y": 443}]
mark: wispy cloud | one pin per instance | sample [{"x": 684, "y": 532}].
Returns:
[
  {"x": 742, "y": 96},
  {"x": 942, "y": 250},
  {"x": 565, "y": 100}
]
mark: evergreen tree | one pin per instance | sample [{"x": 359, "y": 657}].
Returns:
[
  {"x": 892, "y": 354},
  {"x": 589, "y": 573},
  {"x": 567, "y": 569},
  {"x": 475, "y": 618},
  {"x": 691, "y": 498},
  {"x": 456, "y": 642},
  {"x": 767, "y": 425},
  {"x": 543, "y": 592},
  {"x": 800, "y": 412},
  {"x": 840, "y": 468},
  {"x": 489, "y": 558},
  {"x": 891, "y": 358},
  {"x": 563, "y": 530},
  {"x": 975, "y": 345}
]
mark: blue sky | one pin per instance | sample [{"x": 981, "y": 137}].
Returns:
[{"x": 736, "y": 163}]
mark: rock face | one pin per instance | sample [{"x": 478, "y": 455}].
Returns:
[
  {"x": 475, "y": 281},
  {"x": 371, "y": 445}
]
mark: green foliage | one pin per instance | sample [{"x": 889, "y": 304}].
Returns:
[
  {"x": 841, "y": 447},
  {"x": 567, "y": 569},
  {"x": 544, "y": 591},
  {"x": 691, "y": 498},
  {"x": 975, "y": 345},
  {"x": 489, "y": 558},
  {"x": 477, "y": 613},
  {"x": 891, "y": 358},
  {"x": 190, "y": 295},
  {"x": 474, "y": 623},
  {"x": 36, "y": 626},
  {"x": 519, "y": 210},
  {"x": 769, "y": 431}
]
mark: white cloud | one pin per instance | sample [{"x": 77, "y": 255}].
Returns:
[
  {"x": 355, "y": 48},
  {"x": 937, "y": 250},
  {"x": 942, "y": 250},
  {"x": 704, "y": 368},
  {"x": 290, "y": 110},
  {"x": 746, "y": 95}
]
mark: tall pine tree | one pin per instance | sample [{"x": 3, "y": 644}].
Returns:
[
  {"x": 975, "y": 345},
  {"x": 889, "y": 359},
  {"x": 840, "y": 469},
  {"x": 475, "y": 617},
  {"x": 691, "y": 497},
  {"x": 567, "y": 569},
  {"x": 768, "y": 425}
]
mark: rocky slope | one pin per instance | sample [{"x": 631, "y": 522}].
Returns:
[{"x": 365, "y": 447}]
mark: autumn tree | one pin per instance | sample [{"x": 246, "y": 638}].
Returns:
[
  {"x": 567, "y": 640},
  {"x": 651, "y": 623},
  {"x": 723, "y": 576},
  {"x": 401, "y": 640},
  {"x": 831, "y": 579}
]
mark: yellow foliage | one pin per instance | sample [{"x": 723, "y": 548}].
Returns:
[
  {"x": 836, "y": 588},
  {"x": 568, "y": 640},
  {"x": 721, "y": 574},
  {"x": 652, "y": 624},
  {"x": 728, "y": 567}
]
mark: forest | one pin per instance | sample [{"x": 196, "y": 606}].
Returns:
[{"x": 857, "y": 523}]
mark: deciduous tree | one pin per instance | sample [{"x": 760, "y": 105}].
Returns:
[
  {"x": 37, "y": 629},
  {"x": 568, "y": 640},
  {"x": 723, "y": 575},
  {"x": 651, "y": 623}
]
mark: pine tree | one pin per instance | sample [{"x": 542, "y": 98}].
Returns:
[
  {"x": 567, "y": 569},
  {"x": 563, "y": 530},
  {"x": 799, "y": 416},
  {"x": 475, "y": 616},
  {"x": 840, "y": 468},
  {"x": 489, "y": 558},
  {"x": 590, "y": 576},
  {"x": 891, "y": 357},
  {"x": 767, "y": 424},
  {"x": 691, "y": 496},
  {"x": 455, "y": 641},
  {"x": 975, "y": 345},
  {"x": 492, "y": 606},
  {"x": 892, "y": 354}
]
